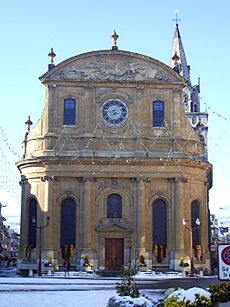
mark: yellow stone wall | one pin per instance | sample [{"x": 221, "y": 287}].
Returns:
[{"x": 90, "y": 160}]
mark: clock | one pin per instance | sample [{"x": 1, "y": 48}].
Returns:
[{"x": 114, "y": 112}]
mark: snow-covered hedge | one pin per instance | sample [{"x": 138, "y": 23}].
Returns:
[{"x": 127, "y": 301}]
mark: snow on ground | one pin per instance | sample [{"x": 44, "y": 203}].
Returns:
[
  {"x": 80, "y": 290},
  {"x": 98, "y": 298},
  {"x": 57, "y": 292}
]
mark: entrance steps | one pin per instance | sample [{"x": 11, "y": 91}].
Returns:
[{"x": 110, "y": 273}]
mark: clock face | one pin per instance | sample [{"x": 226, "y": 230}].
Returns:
[{"x": 114, "y": 112}]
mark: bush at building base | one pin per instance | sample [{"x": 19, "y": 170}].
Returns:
[
  {"x": 220, "y": 292},
  {"x": 128, "y": 301},
  {"x": 193, "y": 297},
  {"x": 128, "y": 294}
]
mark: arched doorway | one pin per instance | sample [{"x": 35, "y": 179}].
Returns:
[{"x": 114, "y": 247}]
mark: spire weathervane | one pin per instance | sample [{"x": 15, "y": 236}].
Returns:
[
  {"x": 114, "y": 40},
  {"x": 176, "y": 18}
]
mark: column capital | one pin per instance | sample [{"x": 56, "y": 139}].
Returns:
[
  {"x": 181, "y": 179},
  {"x": 87, "y": 179}
]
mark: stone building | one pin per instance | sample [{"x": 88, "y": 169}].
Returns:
[{"x": 117, "y": 164}]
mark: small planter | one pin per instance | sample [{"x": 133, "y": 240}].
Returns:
[
  {"x": 88, "y": 269},
  {"x": 49, "y": 270},
  {"x": 142, "y": 268}
]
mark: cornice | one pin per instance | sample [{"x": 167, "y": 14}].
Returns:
[{"x": 101, "y": 162}]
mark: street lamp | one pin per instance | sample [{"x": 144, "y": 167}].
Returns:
[
  {"x": 40, "y": 227},
  {"x": 197, "y": 222}
]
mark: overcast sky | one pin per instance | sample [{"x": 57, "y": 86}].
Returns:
[{"x": 28, "y": 29}]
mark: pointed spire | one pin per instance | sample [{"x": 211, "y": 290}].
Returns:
[
  {"x": 177, "y": 48},
  {"x": 114, "y": 40}
]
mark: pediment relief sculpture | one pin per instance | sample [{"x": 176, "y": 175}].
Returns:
[{"x": 103, "y": 67}]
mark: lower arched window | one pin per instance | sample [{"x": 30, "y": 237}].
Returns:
[
  {"x": 195, "y": 214},
  {"x": 159, "y": 215},
  {"x": 32, "y": 220},
  {"x": 114, "y": 206},
  {"x": 68, "y": 222}
]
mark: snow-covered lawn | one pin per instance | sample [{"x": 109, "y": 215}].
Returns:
[
  {"x": 76, "y": 290},
  {"x": 56, "y": 292},
  {"x": 98, "y": 298}
]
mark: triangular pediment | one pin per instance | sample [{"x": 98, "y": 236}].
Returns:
[
  {"x": 113, "y": 227},
  {"x": 110, "y": 65}
]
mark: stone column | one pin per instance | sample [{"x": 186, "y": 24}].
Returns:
[
  {"x": 45, "y": 209},
  {"x": 171, "y": 244},
  {"x": 178, "y": 216},
  {"x": 140, "y": 231},
  {"x": 204, "y": 225},
  {"x": 87, "y": 221},
  {"x": 24, "y": 217},
  {"x": 49, "y": 233}
]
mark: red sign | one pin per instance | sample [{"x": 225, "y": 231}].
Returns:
[
  {"x": 225, "y": 255},
  {"x": 224, "y": 261}
]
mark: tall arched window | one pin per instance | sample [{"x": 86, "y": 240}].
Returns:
[
  {"x": 114, "y": 206},
  {"x": 68, "y": 222},
  {"x": 195, "y": 214},
  {"x": 158, "y": 113},
  {"x": 32, "y": 226},
  {"x": 69, "y": 112},
  {"x": 159, "y": 223}
]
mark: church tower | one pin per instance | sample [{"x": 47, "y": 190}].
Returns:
[{"x": 191, "y": 93}]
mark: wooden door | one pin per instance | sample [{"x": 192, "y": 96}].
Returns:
[{"x": 114, "y": 254}]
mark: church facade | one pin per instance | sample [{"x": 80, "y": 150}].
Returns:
[{"x": 118, "y": 164}]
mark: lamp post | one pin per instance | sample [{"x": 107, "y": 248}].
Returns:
[
  {"x": 197, "y": 222},
  {"x": 40, "y": 227}
]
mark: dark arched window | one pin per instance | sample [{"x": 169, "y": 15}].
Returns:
[
  {"x": 159, "y": 223},
  {"x": 69, "y": 112},
  {"x": 158, "y": 113},
  {"x": 32, "y": 216},
  {"x": 68, "y": 222},
  {"x": 195, "y": 214},
  {"x": 114, "y": 206}
]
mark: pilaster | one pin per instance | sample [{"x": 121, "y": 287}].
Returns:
[
  {"x": 87, "y": 205},
  {"x": 178, "y": 215},
  {"x": 140, "y": 230}
]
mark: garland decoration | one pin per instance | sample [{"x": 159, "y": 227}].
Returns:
[
  {"x": 199, "y": 252},
  {"x": 181, "y": 261},
  {"x": 141, "y": 261},
  {"x": 67, "y": 251},
  {"x": 27, "y": 251}
]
